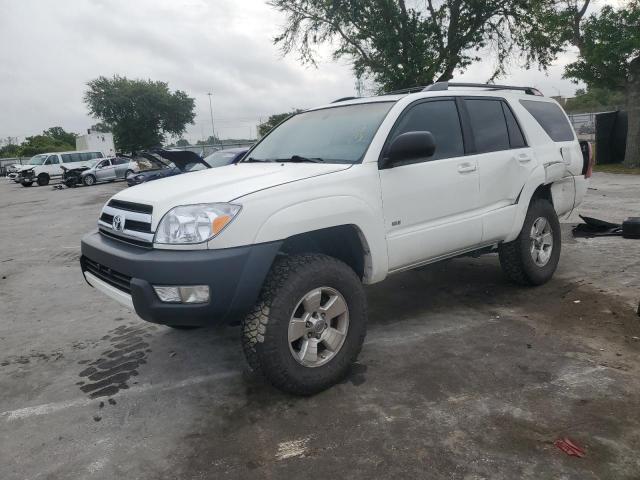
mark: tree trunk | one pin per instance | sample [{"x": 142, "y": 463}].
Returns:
[{"x": 632, "y": 154}]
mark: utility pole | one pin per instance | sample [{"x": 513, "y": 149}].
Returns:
[{"x": 213, "y": 128}]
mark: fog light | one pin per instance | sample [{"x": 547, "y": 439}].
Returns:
[{"x": 187, "y": 294}]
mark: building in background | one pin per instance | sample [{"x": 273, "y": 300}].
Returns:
[{"x": 97, "y": 141}]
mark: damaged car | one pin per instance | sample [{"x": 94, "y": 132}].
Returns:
[
  {"x": 167, "y": 163},
  {"x": 99, "y": 170}
]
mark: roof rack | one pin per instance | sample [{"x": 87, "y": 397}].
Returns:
[
  {"x": 415, "y": 89},
  {"x": 344, "y": 99},
  {"x": 441, "y": 86}
]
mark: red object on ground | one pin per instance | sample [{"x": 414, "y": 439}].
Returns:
[{"x": 568, "y": 447}]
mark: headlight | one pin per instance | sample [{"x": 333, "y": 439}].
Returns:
[{"x": 195, "y": 223}]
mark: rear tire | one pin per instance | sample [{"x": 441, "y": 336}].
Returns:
[
  {"x": 532, "y": 258},
  {"x": 298, "y": 351},
  {"x": 43, "y": 179},
  {"x": 89, "y": 180}
]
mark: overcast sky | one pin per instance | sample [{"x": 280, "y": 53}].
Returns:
[{"x": 50, "y": 49}]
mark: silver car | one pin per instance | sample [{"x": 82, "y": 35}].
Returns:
[{"x": 99, "y": 170}]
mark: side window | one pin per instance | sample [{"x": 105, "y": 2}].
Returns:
[
  {"x": 551, "y": 119},
  {"x": 516, "y": 138},
  {"x": 439, "y": 117},
  {"x": 52, "y": 160},
  {"x": 98, "y": 155},
  {"x": 76, "y": 157},
  {"x": 488, "y": 125},
  {"x": 66, "y": 158}
]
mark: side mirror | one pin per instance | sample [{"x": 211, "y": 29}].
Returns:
[{"x": 409, "y": 146}]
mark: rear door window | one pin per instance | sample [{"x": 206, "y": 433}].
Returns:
[
  {"x": 551, "y": 119},
  {"x": 516, "y": 138},
  {"x": 488, "y": 124}
]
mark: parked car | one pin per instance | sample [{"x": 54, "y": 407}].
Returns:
[
  {"x": 226, "y": 156},
  {"x": 169, "y": 163},
  {"x": 335, "y": 198},
  {"x": 45, "y": 166},
  {"x": 98, "y": 170}
]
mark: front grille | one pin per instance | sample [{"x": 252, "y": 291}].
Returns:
[
  {"x": 131, "y": 206},
  {"x": 108, "y": 275},
  {"x": 105, "y": 217},
  {"x": 137, "y": 226}
]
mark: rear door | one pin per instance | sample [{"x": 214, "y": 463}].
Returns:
[
  {"x": 504, "y": 159},
  {"x": 429, "y": 204}
]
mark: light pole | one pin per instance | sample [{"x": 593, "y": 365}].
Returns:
[{"x": 213, "y": 128}]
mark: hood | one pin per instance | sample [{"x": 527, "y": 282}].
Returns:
[
  {"x": 181, "y": 158},
  {"x": 222, "y": 184}
]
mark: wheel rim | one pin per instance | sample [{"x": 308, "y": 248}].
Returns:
[
  {"x": 318, "y": 327},
  {"x": 89, "y": 180},
  {"x": 541, "y": 241}
]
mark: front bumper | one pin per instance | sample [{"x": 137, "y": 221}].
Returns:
[{"x": 127, "y": 274}]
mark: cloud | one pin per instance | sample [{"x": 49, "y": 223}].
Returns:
[{"x": 50, "y": 50}]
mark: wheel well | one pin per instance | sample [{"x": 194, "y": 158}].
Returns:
[
  {"x": 344, "y": 242},
  {"x": 543, "y": 192},
  {"x": 43, "y": 174}
]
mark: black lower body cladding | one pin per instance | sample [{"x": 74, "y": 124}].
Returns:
[{"x": 234, "y": 276}]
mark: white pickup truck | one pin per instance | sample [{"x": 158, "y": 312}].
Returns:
[{"x": 332, "y": 199}]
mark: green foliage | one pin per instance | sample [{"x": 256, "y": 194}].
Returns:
[
  {"x": 274, "y": 120},
  {"x": 594, "y": 100},
  {"x": 139, "y": 112},
  {"x": 59, "y": 134},
  {"x": 182, "y": 143},
  {"x": 54, "y": 139},
  {"x": 399, "y": 46},
  {"x": 609, "y": 42},
  {"x": 100, "y": 127},
  {"x": 42, "y": 144}
]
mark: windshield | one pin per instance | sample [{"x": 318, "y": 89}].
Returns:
[
  {"x": 37, "y": 160},
  {"x": 221, "y": 158},
  {"x": 93, "y": 163},
  {"x": 333, "y": 135}
]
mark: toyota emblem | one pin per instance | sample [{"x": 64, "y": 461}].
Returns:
[{"x": 117, "y": 223}]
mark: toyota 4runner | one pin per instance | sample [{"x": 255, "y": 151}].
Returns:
[{"x": 334, "y": 198}]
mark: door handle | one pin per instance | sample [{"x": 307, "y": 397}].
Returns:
[
  {"x": 466, "y": 167},
  {"x": 523, "y": 157}
]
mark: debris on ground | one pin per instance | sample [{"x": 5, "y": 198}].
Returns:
[
  {"x": 569, "y": 447},
  {"x": 594, "y": 227}
]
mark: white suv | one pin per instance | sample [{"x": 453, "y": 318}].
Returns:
[{"x": 336, "y": 197}]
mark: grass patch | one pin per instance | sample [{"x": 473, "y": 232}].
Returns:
[{"x": 616, "y": 168}]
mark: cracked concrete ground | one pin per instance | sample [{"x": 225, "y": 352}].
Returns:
[{"x": 462, "y": 376}]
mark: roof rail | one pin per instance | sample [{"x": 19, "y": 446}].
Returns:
[
  {"x": 415, "y": 89},
  {"x": 344, "y": 99},
  {"x": 441, "y": 86}
]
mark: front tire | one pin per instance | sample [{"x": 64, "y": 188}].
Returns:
[
  {"x": 27, "y": 184},
  {"x": 43, "y": 179},
  {"x": 308, "y": 325},
  {"x": 532, "y": 258},
  {"x": 89, "y": 180}
]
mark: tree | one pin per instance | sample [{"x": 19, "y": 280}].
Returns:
[
  {"x": 274, "y": 120},
  {"x": 42, "y": 144},
  {"x": 211, "y": 140},
  {"x": 139, "y": 112},
  {"x": 608, "y": 42},
  {"x": 182, "y": 143},
  {"x": 100, "y": 128},
  {"x": 401, "y": 46},
  {"x": 594, "y": 99},
  {"x": 59, "y": 134}
]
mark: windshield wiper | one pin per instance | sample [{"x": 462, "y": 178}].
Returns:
[{"x": 298, "y": 158}]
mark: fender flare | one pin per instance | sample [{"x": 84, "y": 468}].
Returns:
[
  {"x": 535, "y": 180},
  {"x": 332, "y": 211}
]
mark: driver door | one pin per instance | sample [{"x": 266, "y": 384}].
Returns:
[
  {"x": 430, "y": 204},
  {"x": 105, "y": 171}
]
